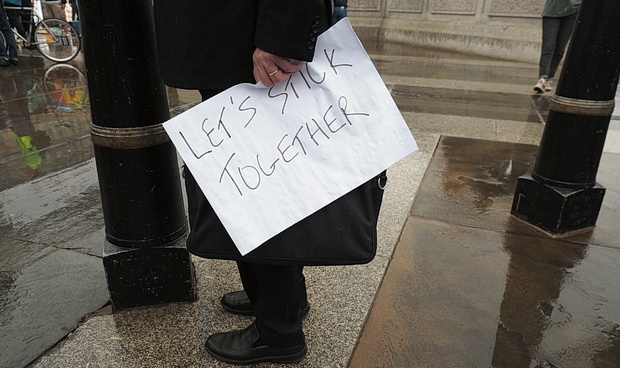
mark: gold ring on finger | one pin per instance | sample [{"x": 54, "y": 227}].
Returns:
[{"x": 274, "y": 72}]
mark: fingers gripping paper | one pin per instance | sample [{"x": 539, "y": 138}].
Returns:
[{"x": 268, "y": 157}]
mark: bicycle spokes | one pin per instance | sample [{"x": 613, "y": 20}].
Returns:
[{"x": 57, "y": 40}]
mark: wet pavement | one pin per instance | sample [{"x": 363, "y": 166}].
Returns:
[
  {"x": 471, "y": 286},
  {"x": 457, "y": 282}
]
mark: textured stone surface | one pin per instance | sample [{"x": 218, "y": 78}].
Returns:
[
  {"x": 453, "y": 6},
  {"x": 514, "y": 9},
  {"x": 521, "y": 7},
  {"x": 498, "y": 40},
  {"x": 415, "y": 6},
  {"x": 366, "y": 5}
]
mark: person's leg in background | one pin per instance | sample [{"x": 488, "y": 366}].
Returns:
[
  {"x": 8, "y": 54},
  {"x": 26, "y": 14},
  {"x": 550, "y": 30},
  {"x": 563, "y": 36},
  {"x": 16, "y": 22},
  {"x": 4, "y": 59}
]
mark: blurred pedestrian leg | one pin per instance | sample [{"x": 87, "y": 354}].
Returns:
[{"x": 8, "y": 48}]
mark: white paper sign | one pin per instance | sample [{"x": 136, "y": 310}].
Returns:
[{"x": 268, "y": 157}]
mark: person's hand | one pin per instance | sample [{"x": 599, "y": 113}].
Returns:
[{"x": 271, "y": 69}]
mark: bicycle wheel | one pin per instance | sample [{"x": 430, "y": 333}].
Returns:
[{"x": 57, "y": 40}]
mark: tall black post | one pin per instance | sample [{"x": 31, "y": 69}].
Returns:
[
  {"x": 561, "y": 195},
  {"x": 145, "y": 258}
]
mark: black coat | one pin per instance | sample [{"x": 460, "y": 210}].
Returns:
[{"x": 208, "y": 44}]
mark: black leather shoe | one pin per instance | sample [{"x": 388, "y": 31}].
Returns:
[
  {"x": 244, "y": 347},
  {"x": 237, "y": 302},
  {"x": 4, "y": 62}
]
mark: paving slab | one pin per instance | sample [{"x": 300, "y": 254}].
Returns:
[{"x": 44, "y": 294}]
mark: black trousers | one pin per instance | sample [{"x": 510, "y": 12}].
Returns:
[
  {"x": 277, "y": 294},
  {"x": 556, "y": 33}
]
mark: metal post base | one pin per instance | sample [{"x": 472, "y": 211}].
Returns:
[
  {"x": 556, "y": 211},
  {"x": 146, "y": 276}
]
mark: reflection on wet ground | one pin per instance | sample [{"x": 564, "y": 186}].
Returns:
[{"x": 45, "y": 114}]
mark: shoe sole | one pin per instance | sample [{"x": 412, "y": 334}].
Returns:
[
  {"x": 291, "y": 358},
  {"x": 538, "y": 90}
]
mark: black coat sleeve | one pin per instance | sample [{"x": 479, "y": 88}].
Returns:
[{"x": 290, "y": 28}]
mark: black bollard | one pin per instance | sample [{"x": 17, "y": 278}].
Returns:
[
  {"x": 561, "y": 196},
  {"x": 145, "y": 258}
]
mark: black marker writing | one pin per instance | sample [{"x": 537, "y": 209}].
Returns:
[
  {"x": 278, "y": 95},
  {"x": 198, "y": 157},
  {"x": 304, "y": 78},
  {"x": 330, "y": 123},
  {"x": 225, "y": 171},
  {"x": 221, "y": 123},
  {"x": 252, "y": 170},
  {"x": 331, "y": 61},
  {"x": 318, "y": 129},
  {"x": 296, "y": 139},
  {"x": 282, "y": 152},
  {"x": 288, "y": 83},
  {"x": 312, "y": 79},
  {"x": 343, "y": 104},
  {"x": 272, "y": 167},
  {"x": 307, "y": 139},
  {"x": 242, "y": 108},
  {"x": 209, "y": 134}
]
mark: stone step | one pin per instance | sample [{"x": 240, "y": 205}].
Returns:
[{"x": 498, "y": 40}]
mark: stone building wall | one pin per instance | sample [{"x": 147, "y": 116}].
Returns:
[
  {"x": 504, "y": 29},
  {"x": 475, "y": 10}
]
